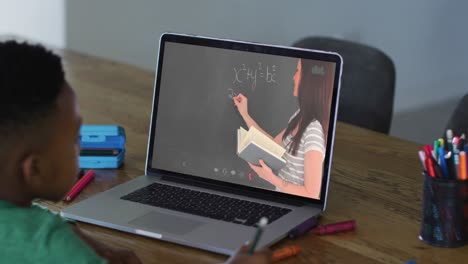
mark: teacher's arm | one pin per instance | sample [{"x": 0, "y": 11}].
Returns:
[{"x": 312, "y": 176}]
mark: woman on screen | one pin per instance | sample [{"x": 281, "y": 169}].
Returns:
[{"x": 303, "y": 137}]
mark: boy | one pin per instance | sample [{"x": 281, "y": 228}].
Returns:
[{"x": 39, "y": 129}]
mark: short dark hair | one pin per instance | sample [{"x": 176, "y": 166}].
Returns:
[{"x": 31, "y": 79}]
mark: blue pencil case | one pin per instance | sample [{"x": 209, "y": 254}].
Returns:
[
  {"x": 102, "y": 162},
  {"x": 100, "y": 137}
]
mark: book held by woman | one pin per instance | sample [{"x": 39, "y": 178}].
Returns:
[{"x": 253, "y": 146}]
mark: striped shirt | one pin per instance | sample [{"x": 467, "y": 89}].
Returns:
[{"x": 312, "y": 139}]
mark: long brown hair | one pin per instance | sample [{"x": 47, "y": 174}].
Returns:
[{"x": 314, "y": 94}]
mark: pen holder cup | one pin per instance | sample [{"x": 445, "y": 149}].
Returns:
[{"x": 444, "y": 220}]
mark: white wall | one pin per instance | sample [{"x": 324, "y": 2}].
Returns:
[
  {"x": 425, "y": 38},
  {"x": 42, "y": 21}
]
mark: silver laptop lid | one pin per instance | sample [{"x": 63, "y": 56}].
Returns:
[{"x": 194, "y": 124}]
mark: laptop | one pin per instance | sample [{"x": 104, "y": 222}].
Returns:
[{"x": 197, "y": 191}]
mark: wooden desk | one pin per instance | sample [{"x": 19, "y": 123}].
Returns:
[{"x": 375, "y": 179}]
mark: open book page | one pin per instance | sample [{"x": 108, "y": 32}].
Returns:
[
  {"x": 253, "y": 146},
  {"x": 262, "y": 140},
  {"x": 245, "y": 137},
  {"x": 241, "y": 136}
]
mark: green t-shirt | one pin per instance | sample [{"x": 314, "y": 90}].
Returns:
[{"x": 36, "y": 235}]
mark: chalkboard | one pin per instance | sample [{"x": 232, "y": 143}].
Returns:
[{"x": 197, "y": 122}]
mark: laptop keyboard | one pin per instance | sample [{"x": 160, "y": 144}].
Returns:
[{"x": 205, "y": 204}]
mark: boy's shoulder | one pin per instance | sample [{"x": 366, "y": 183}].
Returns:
[
  {"x": 28, "y": 221},
  {"x": 34, "y": 233}
]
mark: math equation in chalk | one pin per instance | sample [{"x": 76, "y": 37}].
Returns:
[{"x": 250, "y": 75}]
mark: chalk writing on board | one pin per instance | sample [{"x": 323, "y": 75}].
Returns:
[
  {"x": 231, "y": 93},
  {"x": 248, "y": 75}
]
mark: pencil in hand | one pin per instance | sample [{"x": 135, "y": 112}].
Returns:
[{"x": 261, "y": 224}]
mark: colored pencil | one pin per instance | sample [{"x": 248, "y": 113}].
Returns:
[{"x": 79, "y": 186}]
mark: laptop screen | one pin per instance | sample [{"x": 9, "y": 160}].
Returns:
[{"x": 222, "y": 106}]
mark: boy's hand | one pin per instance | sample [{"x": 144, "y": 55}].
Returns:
[{"x": 243, "y": 257}]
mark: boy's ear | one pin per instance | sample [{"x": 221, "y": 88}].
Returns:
[{"x": 31, "y": 171}]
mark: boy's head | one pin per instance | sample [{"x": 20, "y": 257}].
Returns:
[{"x": 39, "y": 125}]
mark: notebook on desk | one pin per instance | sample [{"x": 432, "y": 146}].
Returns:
[{"x": 196, "y": 190}]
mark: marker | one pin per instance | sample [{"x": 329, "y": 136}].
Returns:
[
  {"x": 303, "y": 228},
  {"x": 437, "y": 169},
  {"x": 334, "y": 228},
  {"x": 428, "y": 151},
  {"x": 430, "y": 167},
  {"x": 79, "y": 186},
  {"x": 261, "y": 224},
  {"x": 285, "y": 253},
  {"x": 455, "y": 142},
  {"x": 462, "y": 171},
  {"x": 441, "y": 142},
  {"x": 449, "y": 134},
  {"x": 456, "y": 165},
  {"x": 462, "y": 140},
  {"x": 422, "y": 158},
  {"x": 450, "y": 164},
  {"x": 436, "y": 149},
  {"x": 442, "y": 162}
]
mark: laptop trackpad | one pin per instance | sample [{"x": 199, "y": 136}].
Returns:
[{"x": 165, "y": 223}]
